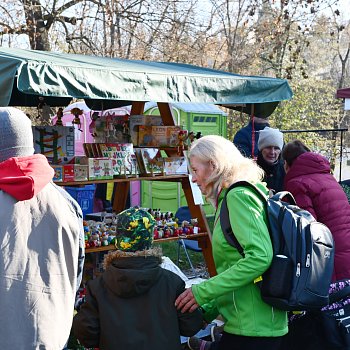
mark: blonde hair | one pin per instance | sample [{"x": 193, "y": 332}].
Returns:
[{"x": 228, "y": 163}]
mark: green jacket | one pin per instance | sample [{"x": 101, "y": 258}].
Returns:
[{"x": 232, "y": 292}]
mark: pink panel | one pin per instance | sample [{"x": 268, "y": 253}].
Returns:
[
  {"x": 135, "y": 191},
  {"x": 80, "y": 136}
]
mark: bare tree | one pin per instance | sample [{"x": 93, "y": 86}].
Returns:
[
  {"x": 282, "y": 32},
  {"x": 342, "y": 33},
  {"x": 143, "y": 29},
  {"x": 32, "y": 18},
  {"x": 124, "y": 28},
  {"x": 227, "y": 35},
  {"x": 269, "y": 37}
]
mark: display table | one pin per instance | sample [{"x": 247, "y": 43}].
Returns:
[{"x": 119, "y": 204}]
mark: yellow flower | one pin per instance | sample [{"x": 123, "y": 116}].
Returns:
[
  {"x": 136, "y": 239},
  {"x": 125, "y": 245},
  {"x": 134, "y": 223},
  {"x": 146, "y": 222}
]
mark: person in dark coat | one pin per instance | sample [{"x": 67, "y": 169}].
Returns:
[
  {"x": 245, "y": 137},
  {"x": 270, "y": 145},
  {"x": 309, "y": 179},
  {"x": 132, "y": 304}
]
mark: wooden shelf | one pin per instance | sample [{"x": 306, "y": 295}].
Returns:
[
  {"x": 203, "y": 238},
  {"x": 126, "y": 179},
  {"x": 195, "y": 236},
  {"x": 162, "y": 148},
  {"x": 123, "y": 186}
]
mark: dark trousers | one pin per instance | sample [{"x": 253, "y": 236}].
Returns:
[
  {"x": 237, "y": 342},
  {"x": 308, "y": 333}
]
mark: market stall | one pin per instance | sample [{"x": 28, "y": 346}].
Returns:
[
  {"x": 104, "y": 83},
  {"x": 29, "y": 78}
]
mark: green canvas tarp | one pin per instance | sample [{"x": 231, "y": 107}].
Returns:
[{"x": 26, "y": 75}]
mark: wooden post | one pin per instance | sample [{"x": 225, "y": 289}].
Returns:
[
  {"x": 166, "y": 113},
  {"x": 137, "y": 107},
  {"x": 121, "y": 191},
  {"x": 198, "y": 212},
  {"x": 205, "y": 244}
]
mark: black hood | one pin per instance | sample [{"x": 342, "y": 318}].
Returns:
[{"x": 131, "y": 276}]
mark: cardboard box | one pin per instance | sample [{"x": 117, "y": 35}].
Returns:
[
  {"x": 175, "y": 165},
  {"x": 121, "y": 156},
  {"x": 54, "y": 142},
  {"x": 83, "y": 160},
  {"x": 58, "y": 176},
  {"x": 159, "y": 136},
  {"x": 81, "y": 172},
  {"x": 68, "y": 172},
  {"x": 136, "y": 120},
  {"x": 150, "y": 161},
  {"x": 100, "y": 168}
]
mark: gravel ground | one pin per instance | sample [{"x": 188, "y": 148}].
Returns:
[{"x": 200, "y": 270}]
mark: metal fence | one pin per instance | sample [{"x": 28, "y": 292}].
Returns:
[{"x": 328, "y": 142}]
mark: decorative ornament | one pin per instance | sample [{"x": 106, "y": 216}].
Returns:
[
  {"x": 92, "y": 126},
  {"x": 59, "y": 117},
  {"x": 40, "y": 107},
  {"x": 44, "y": 112},
  {"x": 182, "y": 137},
  {"x": 76, "y": 121},
  {"x": 192, "y": 136}
]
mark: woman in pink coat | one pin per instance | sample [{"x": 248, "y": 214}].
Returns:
[{"x": 315, "y": 189}]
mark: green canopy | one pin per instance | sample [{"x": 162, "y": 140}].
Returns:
[{"x": 26, "y": 75}]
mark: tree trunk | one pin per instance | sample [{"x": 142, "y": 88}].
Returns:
[{"x": 37, "y": 31}]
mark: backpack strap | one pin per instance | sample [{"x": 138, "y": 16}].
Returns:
[
  {"x": 225, "y": 218},
  {"x": 284, "y": 196}
]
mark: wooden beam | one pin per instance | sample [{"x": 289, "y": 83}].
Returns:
[
  {"x": 198, "y": 212},
  {"x": 121, "y": 191},
  {"x": 137, "y": 107},
  {"x": 166, "y": 114},
  {"x": 205, "y": 244}
]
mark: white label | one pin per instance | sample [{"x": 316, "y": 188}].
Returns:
[{"x": 347, "y": 104}]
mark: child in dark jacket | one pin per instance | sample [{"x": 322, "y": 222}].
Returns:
[{"x": 132, "y": 304}]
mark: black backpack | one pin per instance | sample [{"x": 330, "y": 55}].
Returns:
[{"x": 303, "y": 253}]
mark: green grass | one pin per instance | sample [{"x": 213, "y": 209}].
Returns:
[{"x": 170, "y": 249}]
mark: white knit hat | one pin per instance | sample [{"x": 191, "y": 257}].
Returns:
[
  {"x": 16, "y": 136},
  {"x": 270, "y": 137}
]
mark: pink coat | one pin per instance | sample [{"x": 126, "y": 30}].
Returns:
[{"x": 316, "y": 190}]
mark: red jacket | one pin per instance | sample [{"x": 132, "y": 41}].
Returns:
[{"x": 316, "y": 190}]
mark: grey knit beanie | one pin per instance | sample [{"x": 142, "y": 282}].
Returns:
[
  {"x": 270, "y": 137},
  {"x": 16, "y": 136}
]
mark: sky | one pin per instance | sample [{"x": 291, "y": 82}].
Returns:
[{"x": 344, "y": 8}]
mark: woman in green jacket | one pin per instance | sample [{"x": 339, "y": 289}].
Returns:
[{"x": 250, "y": 323}]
